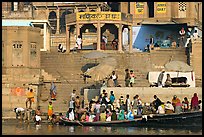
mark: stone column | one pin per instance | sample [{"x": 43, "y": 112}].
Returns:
[
  {"x": 191, "y": 6},
  {"x": 168, "y": 9},
  {"x": 120, "y": 37},
  {"x": 67, "y": 39},
  {"x": 77, "y": 29},
  {"x": 98, "y": 36},
  {"x": 130, "y": 36},
  {"x": 45, "y": 37},
  {"x": 58, "y": 22}
]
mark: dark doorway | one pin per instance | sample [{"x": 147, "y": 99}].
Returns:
[
  {"x": 62, "y": 21},
  {"x": 151, "y": 9},
  {"x": 53, "y": 21},
  {"x": 115, "y": 6}
]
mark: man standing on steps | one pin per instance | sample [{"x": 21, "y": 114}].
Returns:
[
  {"x": 127, "y": 77},
  {"x": 160, "y": 78}
]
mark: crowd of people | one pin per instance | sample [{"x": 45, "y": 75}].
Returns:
[{"x": 108, "y": 108}]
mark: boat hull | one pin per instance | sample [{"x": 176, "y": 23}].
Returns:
[{"x": 187, "y": 119}]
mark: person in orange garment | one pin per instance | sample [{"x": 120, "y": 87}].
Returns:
[
  {"x": 30, "y": 98},
  {"x": 50, "y": 110}
]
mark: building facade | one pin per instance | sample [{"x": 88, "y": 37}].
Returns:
[{"x": 136, "y": 17}]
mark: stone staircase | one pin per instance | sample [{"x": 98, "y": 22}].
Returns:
[{"x": 66, "y": 68}]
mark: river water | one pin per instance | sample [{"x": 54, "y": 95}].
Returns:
[{"x": 14, "y": 127}]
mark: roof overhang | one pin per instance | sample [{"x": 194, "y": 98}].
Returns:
[{"x": 160, "y": 23}]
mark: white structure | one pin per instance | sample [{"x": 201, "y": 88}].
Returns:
[{"x": 153, "y": 76}]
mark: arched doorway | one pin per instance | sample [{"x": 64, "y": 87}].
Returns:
[
  {"x": 62, "y": 21},
  {"x": 151, "y": 9},
  {"x": 53, "y": 21},
  {"x": 89, "y": 36},
  {"x": 111, "y": 33}
]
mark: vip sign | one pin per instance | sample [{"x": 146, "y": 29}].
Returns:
[
  {"x": 139, "y": 7},
  {"x": 161, "y": 7}
]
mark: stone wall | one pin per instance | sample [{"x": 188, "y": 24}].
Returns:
[
  {"x": 11, "y": 100},
  {"x": 21, "y": 56},
  {"x": 197, "y": 58},
  {"x": 146, "y": 93}
]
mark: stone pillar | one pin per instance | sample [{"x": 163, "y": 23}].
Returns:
[
  {"x": 120, "y": 37},
  {"x": 130, "y": 36},
  {"x": 168, "y": 9},
  {"x": 67, "y": 39},
  {"x": 58, "y": 22},
  {"x": 77, "y": 29},
  {"x": 45, "y": 37},
  {"x": 191, "y": 6},
  {"x": 98, "y": 36}
]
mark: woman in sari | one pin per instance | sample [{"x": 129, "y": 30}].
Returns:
[{"x": 53, "y": 91}]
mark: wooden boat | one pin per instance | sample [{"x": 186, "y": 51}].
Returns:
[{"x": 184, "y": 119}]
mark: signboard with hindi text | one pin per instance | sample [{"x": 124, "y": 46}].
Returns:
[
  {"x": 139, "y": 7},
  {"x": 86, "y": 16},
  {"x": 161, "y": 7}
]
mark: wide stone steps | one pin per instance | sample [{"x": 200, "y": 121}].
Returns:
[{"x": 69, "y": 66}]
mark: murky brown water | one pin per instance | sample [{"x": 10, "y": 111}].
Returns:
[{"x": 13, "y": 127}]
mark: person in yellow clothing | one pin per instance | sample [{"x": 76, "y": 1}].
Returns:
[
  {"x": 50, "y": 110},
  {"x": 30, "y": 98},
  {"x": 103, "y": 116}
]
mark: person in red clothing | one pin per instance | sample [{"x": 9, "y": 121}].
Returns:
[{"x": 194, "y": 102}]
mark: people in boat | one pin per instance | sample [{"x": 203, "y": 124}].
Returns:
[
  {"x": 127, "y": 103},
  {"x": 112, "y": 97},
  {"x": 134, "y": 105},
  {"x": 72, "y": 104},
  {"x": 146, "y": 109},
  {"x": 92, "y": 117},
  {"x": 56, "y": 119},
  {"x": 194, "y": 102},
  {"x": 77, "y": 107},
  {"x": 108, "y": 115},
  {"x": 71, "y": 114},
  {"x": 161, "y": 109},
  {"x": 114, "y": 115},
  {"x": 121, "y": 115},
  {"x": 185, "y": 104},
  {"x": 175, "y": 100},
  {"x": 83, "y": 117},
  {"x": 200, "y": 105},
  {"x": 102, "y": 116},
  {"x": 157, "y": 102},
  {"x": 169, "y": 108},
  {"x": 129, "y": 115},
  {"x": 105, "y": 99},
  {"x": 178, "y": 107},
  {"x": 122, "y": 106},
  {"x": 97, "y": 110}
]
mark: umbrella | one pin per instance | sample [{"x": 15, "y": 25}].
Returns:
[
  {"x": 178, "y": 66},
  {"x": 101, "y": 71}
]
